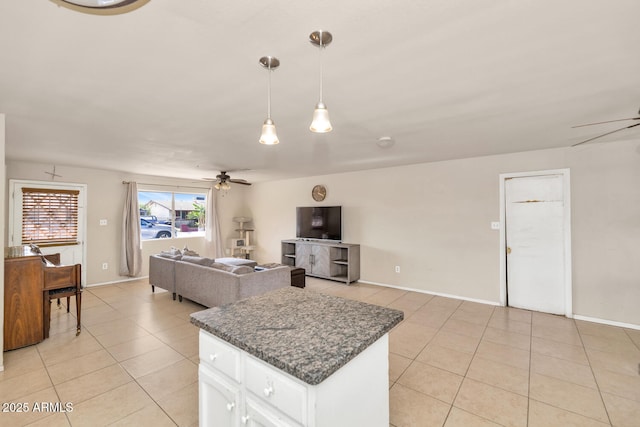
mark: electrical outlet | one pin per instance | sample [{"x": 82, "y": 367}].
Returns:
[
  {"x": 105, "y": 266},
  {"x": 103, "y": 222},
  {"x": 397, "y": 269},
  {"x": 495, "y": 225}
]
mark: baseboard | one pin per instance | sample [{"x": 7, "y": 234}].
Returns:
[
  {"x": 479, "y": 301},
  {"x": 131, "y": 279},
  {"x": 606, "y": 322}
]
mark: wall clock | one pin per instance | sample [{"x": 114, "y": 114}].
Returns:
[{"x": 318, "y": 193}]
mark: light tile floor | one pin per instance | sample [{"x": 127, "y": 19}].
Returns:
[{"x": 452, "y": 363}]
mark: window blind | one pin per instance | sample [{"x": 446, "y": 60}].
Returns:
[{"x": 49, "y": 216}]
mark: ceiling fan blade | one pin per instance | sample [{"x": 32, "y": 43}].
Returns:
[
  {"x": 608, "y": 121},
  {"x": 240, "y": 181},
  {"x": 605, "y": 134}
]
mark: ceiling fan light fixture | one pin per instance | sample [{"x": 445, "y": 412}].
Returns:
[
  {"x": 225, "y": 186},
  {"x": 320, "y": 122},
  {"x": 268, "y": 135}
]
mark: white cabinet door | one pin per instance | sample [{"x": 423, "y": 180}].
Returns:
[
  {"x": 219, "y": 400},
  {"x": 259, "y": 415}
]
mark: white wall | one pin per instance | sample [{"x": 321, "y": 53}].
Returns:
[
  {"x": 433, "y": 220},
  {"x": 105, "y": 199}
]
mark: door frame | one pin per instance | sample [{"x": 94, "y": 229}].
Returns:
[
  {"x": 14, "y": 184},
  {"x": 568, "y": 306}
]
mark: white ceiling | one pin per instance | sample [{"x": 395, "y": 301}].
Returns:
[{"x": 174, "y": 87}]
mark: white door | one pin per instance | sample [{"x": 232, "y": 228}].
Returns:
[
  {"x": 536, "y": 236},
  {"x": 69, "y": 254}
]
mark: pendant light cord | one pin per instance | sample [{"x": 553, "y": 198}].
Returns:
[
  {"x": 320, "y": 60},
  {"x": 269, "y": 94}
]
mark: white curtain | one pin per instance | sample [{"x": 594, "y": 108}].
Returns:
[
  {"x": 213, "y": 245},
  {"x": 131, "y": 250}
]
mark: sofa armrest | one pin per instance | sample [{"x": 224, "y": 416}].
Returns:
[{"x": 162, "y": 273}]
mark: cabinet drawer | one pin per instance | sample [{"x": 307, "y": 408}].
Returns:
[
  {"x": 258, "y": 413},
  {"x": 219, "y": 355},
  {"x": 276, "y": 388}
]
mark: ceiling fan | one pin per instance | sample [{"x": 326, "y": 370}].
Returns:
[
  {"x": 222, "y": 181},
  {"x": 610, "y": 132}
]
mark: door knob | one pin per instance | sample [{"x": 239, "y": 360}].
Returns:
[{"x": 508, "y": 250}]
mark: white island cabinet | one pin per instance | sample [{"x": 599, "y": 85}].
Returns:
[
  {"x": 294, "y": 357},
  {"x": 237, "y": 389}
]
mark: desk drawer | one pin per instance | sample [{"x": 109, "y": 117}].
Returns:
[
  {"x": 276, "y": 388},
  {"x": 219, "y": 355}
]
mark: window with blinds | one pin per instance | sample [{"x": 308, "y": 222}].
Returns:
[{"x": 49, "y": 216}]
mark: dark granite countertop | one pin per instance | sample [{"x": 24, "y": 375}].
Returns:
[{"x": 304, "y": 333}]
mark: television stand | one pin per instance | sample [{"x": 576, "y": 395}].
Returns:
[{"x": 324, "y": 259}]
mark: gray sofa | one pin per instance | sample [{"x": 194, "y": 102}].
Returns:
[
  {"x": 213, "y": 282},
  {"x": 217, "y": 284}
]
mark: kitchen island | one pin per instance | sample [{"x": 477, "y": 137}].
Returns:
[{"x": 294, "y": 357}]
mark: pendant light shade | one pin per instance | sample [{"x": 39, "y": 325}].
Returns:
[
  {"x": 268, "y": 135},
  {"x": 320, "y": 122}
]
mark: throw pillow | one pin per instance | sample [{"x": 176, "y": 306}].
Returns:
[
  {"x": 172, "y": 251},
  {"x": 197, "y": 260},
  {"x": 189, "y": 252}
]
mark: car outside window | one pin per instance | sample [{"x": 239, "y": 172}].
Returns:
[{"x": 165, "y": 214}]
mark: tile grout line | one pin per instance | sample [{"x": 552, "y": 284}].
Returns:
[
  {"x": 133, "y": 379},
  {"x": 595, "y": 379}
]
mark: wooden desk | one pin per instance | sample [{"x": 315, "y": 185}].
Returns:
[
  {"x": 23, "y": 309},
  {"x": 27, "y": 282}
]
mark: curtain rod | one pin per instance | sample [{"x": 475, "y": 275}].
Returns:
[{"x": 167, "y": 185}]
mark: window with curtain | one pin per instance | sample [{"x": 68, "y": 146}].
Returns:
[
  {"x": 49, "y": 216},
  {"x": 167, "y": 214}
]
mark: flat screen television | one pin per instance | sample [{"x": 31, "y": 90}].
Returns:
[{"x": 319, "y": 222}]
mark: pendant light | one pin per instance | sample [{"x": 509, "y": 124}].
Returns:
[
  {"x": 320, "y": 123},
  {"x": 268, "y": 136}
]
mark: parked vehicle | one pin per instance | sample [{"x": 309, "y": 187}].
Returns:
[
  {"x": 150, "y": 230},
  {"x": 150, "y": 218}
]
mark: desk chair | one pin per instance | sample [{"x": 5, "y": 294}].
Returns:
[{"x": 61, "y": 281}]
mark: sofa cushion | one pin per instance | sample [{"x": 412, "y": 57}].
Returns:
[
  {"x": 221, "y": 266},
  {"x": 198, "y": 260},
  {"x": 169, "y": 256},
  {"x": 242, "y": 269},
  {"x": 237, "y": 261},
  {"x": 235, "y": 269}
]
